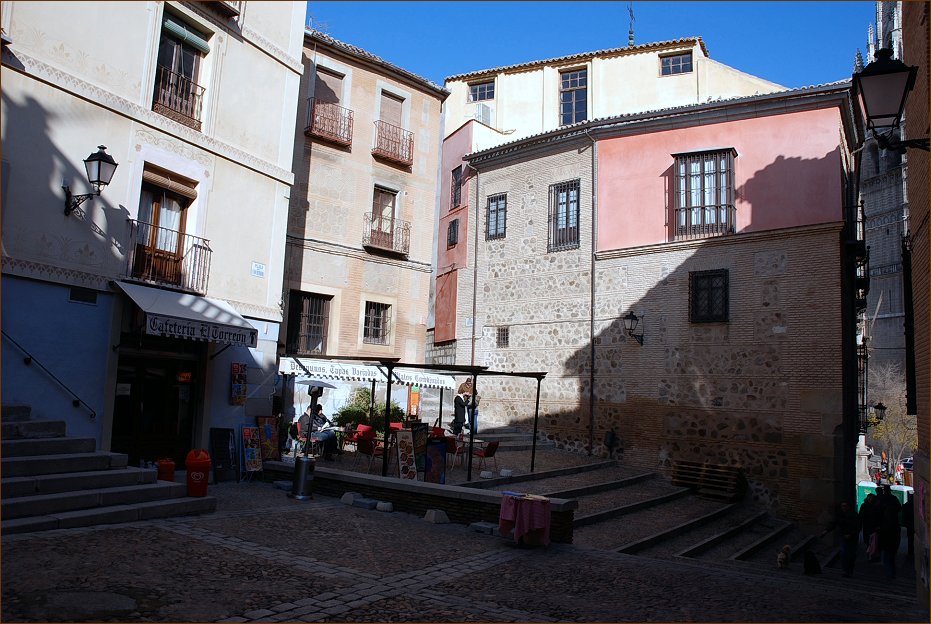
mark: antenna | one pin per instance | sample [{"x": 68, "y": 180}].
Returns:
[{"x": 630, "y": 33}]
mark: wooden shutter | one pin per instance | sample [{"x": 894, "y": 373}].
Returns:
[
  {"x": 328, "y": 87},
  {"x": 391, "y": 109}
]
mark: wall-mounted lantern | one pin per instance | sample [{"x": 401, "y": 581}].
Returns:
[
  {"x": 631, "y": 321},
  {"x": 100, "y": 169}
]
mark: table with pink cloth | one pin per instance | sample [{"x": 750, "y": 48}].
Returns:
[{"x": 528, "y": 516}]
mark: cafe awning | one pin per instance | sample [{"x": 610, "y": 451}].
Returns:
[
  {"x": 182, "y": 315},
  {"x": 348, "y": 371}
]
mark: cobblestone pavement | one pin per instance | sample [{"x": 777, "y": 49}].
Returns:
[{"x": 265, "y": 557}]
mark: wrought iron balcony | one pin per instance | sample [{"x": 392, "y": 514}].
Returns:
[
  {"x": 178, "y": 98},
  {"x": 229, "y": 8},
  {"x": 394, "y": 143},
  {"x": 703, "y": 222},
  {"x": 387, "y": 234},
  {"x": 167, "y": 257},
  {"x": 329, "y": 121}
]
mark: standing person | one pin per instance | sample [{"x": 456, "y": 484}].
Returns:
[
  {"x": 847, "y": 525},
  {"x": 890, "y": 531},
  {"x": 459, "y": 407},
  {"x": 869, "y": 520},
  {"x": 908, "y": 520}
]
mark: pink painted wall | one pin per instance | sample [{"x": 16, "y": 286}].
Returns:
[
  {"x": 787, "y": 174},
  {"x": 450, "y": 259}
]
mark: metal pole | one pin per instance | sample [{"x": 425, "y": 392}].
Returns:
[
  {"x": 536, "y": 418},
  {"x": 470, "y": 410},
  {"x": 384, "y": 455},
  {"x": 372, "y": 405},
  {"x": 439, "y": 421}
]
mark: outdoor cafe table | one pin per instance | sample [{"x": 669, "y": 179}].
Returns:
[{"x": 527, "y": 515}]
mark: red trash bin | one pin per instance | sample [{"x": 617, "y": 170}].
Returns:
[
  {"x": 166, "y": 469},
  {"x": 198, "y": 472}
]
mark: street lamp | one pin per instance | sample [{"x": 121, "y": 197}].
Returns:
[
  {"x": 882, "y": 88},
  {"x": 630, "y": 326},
  {"x": 100, "y": 168},
  {"x": 880, "y": 410}
]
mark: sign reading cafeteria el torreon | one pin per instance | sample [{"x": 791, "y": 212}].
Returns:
[{"x": 200, "y": 330}]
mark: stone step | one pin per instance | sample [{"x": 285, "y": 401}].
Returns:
[
  {"x": 32, "y": 429},
  {"x": 112, "y": 515},
  {"x": 525, "y": 446},
  {"x": 15, "y": 413},
  {"x": 47, "y": 446},
  {"x": 11, "y": 487},
  {"x": 48, "y": 504},
  {"x": 54, "y": 464}
]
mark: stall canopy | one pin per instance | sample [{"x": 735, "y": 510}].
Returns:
[
  {"x": 182, "y": 315},
  {"x": 343, "y": 371}
]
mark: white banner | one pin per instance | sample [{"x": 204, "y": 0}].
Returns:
[{"x": 342, "y": 371}]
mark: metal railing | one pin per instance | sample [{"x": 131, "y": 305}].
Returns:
[
  {"x": 386, "y": 233},
  {"x": 704, "y": 221},
  {"x": 178, "y": 98},
  {"x": 329, "y": 121},
  {"x": 29, "y": 359},
  {"x": 167, "y": 257},
  {"x": 394, "y": 143},
  {"x": 231, "y": 8}
]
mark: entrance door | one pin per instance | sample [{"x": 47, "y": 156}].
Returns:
[{"x": 153, "y": 416}]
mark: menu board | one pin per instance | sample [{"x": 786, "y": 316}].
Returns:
[
  {"x": 251, "y": 449},
  {"x": 407, "y": 469},
  {"x": 435, "y": 461},
  {"x": 268, "y": 435},
  {"x": 419, "y": 433}
]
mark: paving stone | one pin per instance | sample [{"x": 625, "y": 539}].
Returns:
[{"x": 257, "y": 614}]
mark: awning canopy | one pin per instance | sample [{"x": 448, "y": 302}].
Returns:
[
  {"x": 182, "y": 315},
  {"x": 347, "y": 371}
]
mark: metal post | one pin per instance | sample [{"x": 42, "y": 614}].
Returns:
[
  {"x": 384, "y": 455},
  {"x": 470, "y": 409},
  {"x": 536, "y": 418},
  {"x": 439, "y": 421}
]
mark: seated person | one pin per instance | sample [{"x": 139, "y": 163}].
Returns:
[{"x": 327, "y": 437}]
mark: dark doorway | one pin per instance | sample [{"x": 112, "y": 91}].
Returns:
[{"x": 155, "y": 407}]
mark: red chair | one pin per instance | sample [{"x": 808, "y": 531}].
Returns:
[
  {"x": 438, "y": 432},
  {"x": 487, "y": 452},
  {"x": 454, "y": 451},
  {"x": 361, "y": 430},
  {"x": 366, "y": 445},
  {"x": 397, "y": 426}
]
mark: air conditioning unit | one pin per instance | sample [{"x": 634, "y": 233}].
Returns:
[{"x": 485, "y": 113}]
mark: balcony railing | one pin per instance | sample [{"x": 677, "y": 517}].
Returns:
[
  {"x": 178, "y": 98},
  {"x": 329, "y": 121},
  {"x": 229, "y": 8},
  {"x": 703, "y": 222},
  {"x": 387, "y": 233},
  {"x": 167, "y": 257},
  {"x": 394, "y": 143}
]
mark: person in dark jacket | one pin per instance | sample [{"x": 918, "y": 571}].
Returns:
[
  {"x": 869, "y": 518},
  {"x": 890, "y": 531},
  {"x": 459, "y": 407},
  {"x": 847, "y": 525}
]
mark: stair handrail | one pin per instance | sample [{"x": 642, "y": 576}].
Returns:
[{"x": 30, "y": 359}]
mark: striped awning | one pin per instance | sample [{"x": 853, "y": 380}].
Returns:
[{"x": 347, "y": 371}]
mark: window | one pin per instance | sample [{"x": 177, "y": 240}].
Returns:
[
  {"x": 308, "y": 318},
  {"x": 573, "y": 96},
  {"x": 704, "y": 194},
  {"x": 377, "y": 325},
  {"x": 452, "y": 233},
  {"x": 676, "y": 64},
  {"x": 708, "y": 296},
  {"x": 391, "y": 140},
  {"x": 328, "y": 86},
  {"x": 497, "y": 216},
  {"x": 455, "y": 188},
  {"x": 482, "y": 91},
  {"x": 564, "y": 216},
  {"x": 383, "y": 205},
  {"x": 180, "y": 52},
  {"x": 503, "y": 337},
  {"x": 161, "y": 247}
]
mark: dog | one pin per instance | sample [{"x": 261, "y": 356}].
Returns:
[
  {"x": 782, "y": 559},
  {"x": 811, "y": 563}
]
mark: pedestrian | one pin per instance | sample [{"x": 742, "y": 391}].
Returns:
[
  {"x": 890, "y": 531},
  {"x": 847, "y": 525},
  {"x": 908, "y": 520},
  {"x": 869, "y": 520},
  {"x": 463, "y": 394}
]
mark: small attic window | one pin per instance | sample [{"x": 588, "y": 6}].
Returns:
[{"x": 676, "y": 64}]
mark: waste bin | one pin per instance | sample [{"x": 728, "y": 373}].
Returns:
[
  {"x": 198, "y": 472},
  {"x": 166, "y": 469},
  {"x": 302, "y": 484}
]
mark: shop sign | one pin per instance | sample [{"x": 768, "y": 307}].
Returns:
[{"x": 200, "y": 330}]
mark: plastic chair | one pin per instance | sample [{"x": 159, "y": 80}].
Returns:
[
  {"x": 397, "y": 426},
  {"x": 361, "y": 431},
  {"x": 488, "y": 452},
  {"x": 454, "y": 451},
  {"x": 366, "y": 445}
]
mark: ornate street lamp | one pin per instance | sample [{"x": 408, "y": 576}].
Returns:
[
  {"x": 630, "y": 326},
  {"x": 100, "y": 168},
  {"x": 882, "y": 88}
]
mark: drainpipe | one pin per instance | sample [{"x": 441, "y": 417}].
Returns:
[
  {"x": 591, "y": 306},
  {"x": 474, "y": 265}
]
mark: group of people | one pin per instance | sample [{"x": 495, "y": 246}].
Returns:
[
  {"x": 465, "y": 403},
  {"x": 878, "y": 521}
]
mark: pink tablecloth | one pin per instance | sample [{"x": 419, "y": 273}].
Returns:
[{"x": 528, "y": 517}]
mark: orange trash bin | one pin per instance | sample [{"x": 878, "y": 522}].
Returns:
[
  {"x": 166, "y": 469},
  {"x": 198, "y": 472}
]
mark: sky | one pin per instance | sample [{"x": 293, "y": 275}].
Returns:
[{"x": 791, "y": 43}]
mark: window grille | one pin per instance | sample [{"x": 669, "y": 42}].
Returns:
[
  {"x": 455, "y": 188},
  {"x": 503, "y": 337},
  {"x": 704, "y": 194},
  {"x": 308, "y": 317},
  {"x": 496, "y": 216},
  {"x": 708, "y": 296},
  {"x": 452, "y": 233},
  {"x": 564, "y": 216},
  {"x": 377, "y": 326}
]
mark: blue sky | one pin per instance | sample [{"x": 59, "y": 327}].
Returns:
[{"x": 794, "y": 44}]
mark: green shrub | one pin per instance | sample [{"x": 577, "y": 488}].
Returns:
[{"x": 356, "y": 411}]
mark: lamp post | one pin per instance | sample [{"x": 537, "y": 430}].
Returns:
[
  {"x": 100, "y": 168},
  {"x": 631, "y": 321}
]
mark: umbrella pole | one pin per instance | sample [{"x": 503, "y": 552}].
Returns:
[
  {"x": 440, "y": 419},
  {"x": 384, "y": 455},
  {"x": 536, "y": 418}
]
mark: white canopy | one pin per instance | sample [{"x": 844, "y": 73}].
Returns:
[{"x": 347, "y": 371}]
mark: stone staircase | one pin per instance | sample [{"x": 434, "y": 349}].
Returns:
[
  {"x": 511, "y": 438},
  {"x": 52, "y": 481}
]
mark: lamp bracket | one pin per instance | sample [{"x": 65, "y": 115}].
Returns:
[
  {"x": 886, "y": 142},
  {"x": 73, "y": 202}
]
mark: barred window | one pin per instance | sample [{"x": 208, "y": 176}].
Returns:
[
  {"x": 708, "y": 296},
  {"x": 704, "y": 194},
  {"x": 573, "y": 96},
  {"x": 503, "y": 337},
  {"x": 564, "y": 216},
  {"x": 452, "y": 233},
  {"x": 455, "y": 188},
  {"x": 308, "y": 316},
  {"x": 377, "y": 327},
  {"x": 676, "y": 64},
  {"x": 496, "y": 216}
]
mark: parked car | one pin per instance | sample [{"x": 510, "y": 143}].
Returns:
[{"x": 907, "y": 463}]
